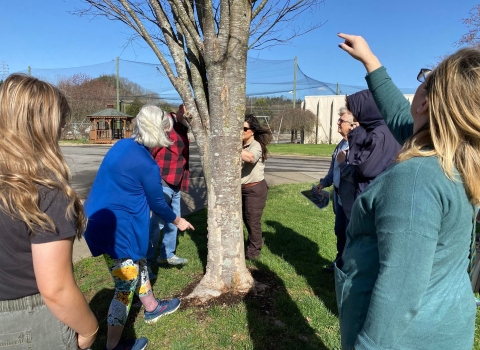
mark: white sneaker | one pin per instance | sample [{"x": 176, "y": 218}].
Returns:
[{"x": 174, "y": 260}]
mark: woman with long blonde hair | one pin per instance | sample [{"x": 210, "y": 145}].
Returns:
[
  {"x": 404, "y": 283},
  {"x": 41, "y": 306}
]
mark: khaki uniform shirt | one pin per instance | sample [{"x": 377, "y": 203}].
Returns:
[{"x": 253, "y": 172}]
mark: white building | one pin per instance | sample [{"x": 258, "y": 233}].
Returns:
[{"x": 326, "y": 109}]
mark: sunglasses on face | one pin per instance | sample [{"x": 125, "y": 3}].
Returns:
[
  {"x": 340, "y": 120},
  {"x": 245, "y": 128},
  {"x": 422, "y": 76}
]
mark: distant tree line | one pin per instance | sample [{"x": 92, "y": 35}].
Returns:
[
  {"x": 282, "y": 116},
  {"x": 87, "y": 95}
]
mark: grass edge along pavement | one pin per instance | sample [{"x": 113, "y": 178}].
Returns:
[
  {"x": 313, "y": 150},
  {"x": 297, "y": 311},
  {"x": 292, "y": 149}
]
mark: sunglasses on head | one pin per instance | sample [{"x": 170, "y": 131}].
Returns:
[{"x": 422, "y": 76}]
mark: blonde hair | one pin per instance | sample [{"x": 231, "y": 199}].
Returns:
[
  {"x": 453, "y": 91},
  {"x": 31, "y": 115},
  {"x": 151, "y": 125}
]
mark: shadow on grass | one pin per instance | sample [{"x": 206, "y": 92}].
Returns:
[
  {"x": 199, "y": 236},
  {"x": 302, "y": 253},
  {"x": 99, "y": 305},
  {"x": 274, "y": 320}
]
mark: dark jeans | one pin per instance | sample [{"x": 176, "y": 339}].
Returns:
[
  {"x": 341, "y": 223},
  {"x": 253, "y": 202}
]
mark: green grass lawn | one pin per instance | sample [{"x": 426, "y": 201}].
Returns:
[
  {"x": 298, "y": 311},
  {"x": 321, "y": 150},
  {"x": 74, "y": 142}
]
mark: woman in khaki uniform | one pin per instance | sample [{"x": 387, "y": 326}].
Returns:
[{"x": 254, "y": 186}]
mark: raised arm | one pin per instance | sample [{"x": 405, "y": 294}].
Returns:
[{"x": 394, "y": 107}]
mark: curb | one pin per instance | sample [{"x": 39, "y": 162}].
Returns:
[
  {"x": 298, "y": 156},
  {"x": 71, "y": 144}
]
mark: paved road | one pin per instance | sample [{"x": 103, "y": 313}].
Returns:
[{"x": 84, "y": 162}]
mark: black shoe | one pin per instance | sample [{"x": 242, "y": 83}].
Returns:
[{"x": 329, "y": 268}]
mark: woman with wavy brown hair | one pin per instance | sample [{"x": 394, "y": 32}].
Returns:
[
  {"x": 411, "y": 235},
  {"x": 41, "y": 306},
  {"x": 255, "y": 139}
]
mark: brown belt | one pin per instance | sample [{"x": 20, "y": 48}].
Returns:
[{"x": 251, "y": 184}]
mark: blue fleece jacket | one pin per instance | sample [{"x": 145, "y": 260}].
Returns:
[{"x": 126, "y": 187}]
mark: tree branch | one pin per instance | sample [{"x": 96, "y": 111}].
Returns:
[
  {"x": 178, "y": 9},
  {"x": 472, "y": 37},
  {"x": 259, "y": 9},
  {"x": 276, "y": 17},
  {"x": 140, "y": 28}
]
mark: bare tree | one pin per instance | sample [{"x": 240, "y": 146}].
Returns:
[
  {"x": 85, "y": 95},
  {"x": 208, "y": 43},
  {"x": 472, "y": 37},
  {"x": 294, "y": 120}
]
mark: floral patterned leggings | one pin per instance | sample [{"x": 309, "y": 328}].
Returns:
[{"x": 129, "y": 277}]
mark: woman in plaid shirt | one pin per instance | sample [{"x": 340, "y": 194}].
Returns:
[{"x": 175, "y": 174}]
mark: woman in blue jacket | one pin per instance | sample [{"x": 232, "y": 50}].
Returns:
[
  {"x": 126, "y": 188},
  {"x": 404, "y": 281}
]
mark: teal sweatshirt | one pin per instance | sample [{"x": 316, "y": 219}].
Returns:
[{"x": 404, "y": 282}]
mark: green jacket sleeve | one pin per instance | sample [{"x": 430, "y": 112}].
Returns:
[{"x": 394, "y": 107}]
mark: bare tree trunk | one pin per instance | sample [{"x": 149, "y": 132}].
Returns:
[
  {"x": 208, "y": 42},
  {"x": 226, "y": 269}
]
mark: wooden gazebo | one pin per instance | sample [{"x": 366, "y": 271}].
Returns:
[{"x": 109, "y": 126}]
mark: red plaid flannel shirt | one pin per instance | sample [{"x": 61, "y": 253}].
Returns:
[{"x": 173, "y": 160}]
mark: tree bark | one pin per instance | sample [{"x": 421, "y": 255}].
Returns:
[
  {"x": 226, "y": 58},
  {"x": 208, "y": 41}
]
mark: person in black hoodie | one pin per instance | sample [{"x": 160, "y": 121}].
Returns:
[
  {"x": 371, "y": 149},
  {"x": 372, "y": 146}
]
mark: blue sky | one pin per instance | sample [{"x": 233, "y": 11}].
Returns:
[{"x": 405, "y": 35}]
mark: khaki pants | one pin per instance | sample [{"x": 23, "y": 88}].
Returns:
[{"x": 27, "y": 324}]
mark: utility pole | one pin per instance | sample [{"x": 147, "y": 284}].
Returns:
[
  {"x": 118, "y": 86},
  {"x": 294, "y": 81}
]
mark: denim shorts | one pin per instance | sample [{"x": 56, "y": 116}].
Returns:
[{"x": 27, "y": 324}]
